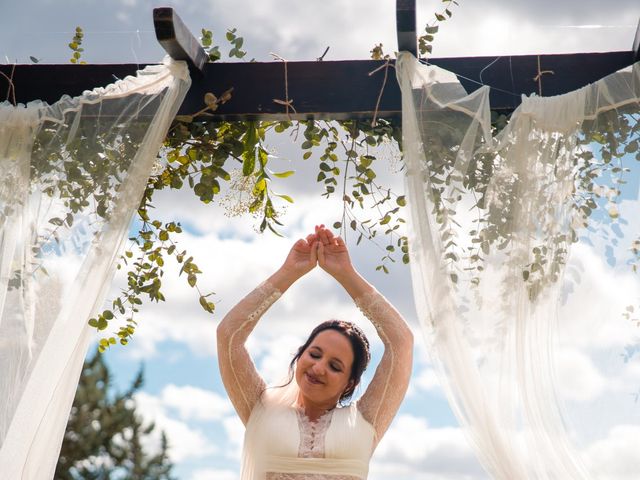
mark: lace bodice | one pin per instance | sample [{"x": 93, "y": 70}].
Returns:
[
  {"x": 312, "y": 445},
  {"x": 366, "y": 421}
]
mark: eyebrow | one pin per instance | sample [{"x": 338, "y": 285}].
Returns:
[{"x": 333, "y": 358}]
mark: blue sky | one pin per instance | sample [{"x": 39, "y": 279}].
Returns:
[{"x": 176, "y": 340}]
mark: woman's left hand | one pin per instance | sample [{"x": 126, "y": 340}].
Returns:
[{"x": 333, "y": 256}]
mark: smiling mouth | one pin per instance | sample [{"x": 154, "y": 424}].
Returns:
[{"x": 313, "y": 380}]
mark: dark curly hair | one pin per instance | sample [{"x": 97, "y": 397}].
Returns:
[{"x": 359, "y": 344}]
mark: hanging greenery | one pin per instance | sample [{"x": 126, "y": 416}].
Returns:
[{"x": 211, "y": 157}]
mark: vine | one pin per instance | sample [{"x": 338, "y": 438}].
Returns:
[
  {"x": 208, "y": 157},
  {"x": 205, "y": 155}
]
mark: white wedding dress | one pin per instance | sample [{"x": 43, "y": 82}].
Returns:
[{"x": 281, "y": 443}]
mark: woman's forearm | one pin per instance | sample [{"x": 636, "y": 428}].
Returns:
[
  {"x": 283, "y": 278},
  {"x": 354, "y": 283}
]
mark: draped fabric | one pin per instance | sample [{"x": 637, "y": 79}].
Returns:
[
  {"x": 71, "y": 176},
  {"x": 525, "y": 249}
]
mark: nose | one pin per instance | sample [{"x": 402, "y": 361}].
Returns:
[{"x": 318, "y": 369}]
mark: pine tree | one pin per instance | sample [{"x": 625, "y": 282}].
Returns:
[{"x": 104, "y": 436}]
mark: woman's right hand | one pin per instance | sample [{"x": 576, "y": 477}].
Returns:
[{"x": 303, "y": 257}]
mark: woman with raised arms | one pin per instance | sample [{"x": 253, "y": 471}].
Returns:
[{"x": 307, "y": 429}]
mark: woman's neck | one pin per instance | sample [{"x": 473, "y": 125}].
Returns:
[{"x": 314, "y": 411}]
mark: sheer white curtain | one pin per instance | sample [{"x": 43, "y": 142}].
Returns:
[
  {"x": 522, "y": 252},
  {"x": 71, "y": 176}
]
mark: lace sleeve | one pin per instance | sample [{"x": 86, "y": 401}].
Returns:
[
  {"x": 384, "y": 395},
  {"x": 241, "y": 380}
]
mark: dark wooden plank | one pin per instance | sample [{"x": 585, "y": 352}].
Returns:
[
  {"x": 325, "y": 90},
  {"x": 328, "y": 89},
  {"x": 516, "y": 74},
  {"x": 50, "y": 82}
]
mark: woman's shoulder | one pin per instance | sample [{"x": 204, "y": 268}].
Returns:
[{"x": 279, "y": 397}]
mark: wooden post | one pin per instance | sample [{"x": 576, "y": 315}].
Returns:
[
  {"x": 406, "y": 26},
  {"x": 177, "y": 39}
]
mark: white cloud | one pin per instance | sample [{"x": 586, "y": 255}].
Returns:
[
  {"x": 214, "y": 474},
  {"x": 426, "y": 380},
  {"x": 194, "y": 403},
  {"x": 578, "y": 378},
  {"x": 413, "y": 450},
  {"x": 124, "y": 17},
  {"x": 616, "y": 457},
  {"x": 235, "y": 435},
  {"x": 184, "y": 441}
]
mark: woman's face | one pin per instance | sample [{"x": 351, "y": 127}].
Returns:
[{"x": 324, "y": 368}]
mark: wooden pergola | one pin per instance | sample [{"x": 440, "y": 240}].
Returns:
[{"x": 333, "y": 90}]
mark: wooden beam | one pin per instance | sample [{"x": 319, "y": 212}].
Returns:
[
  {"x": 325, "y": 90},
  {"x": 177, "y": 39},
  {"x": 406, "y": 26}
]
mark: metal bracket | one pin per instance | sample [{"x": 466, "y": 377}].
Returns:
[{"x": 177, "y": 39}]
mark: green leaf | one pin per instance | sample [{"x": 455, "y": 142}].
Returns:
[
  {"x": 207, "y": 306},
  {"x": 285, "y": 197},
  {"x": 261, "y": 185},
  {"x": 248, "y": 163},
  {"x": 286, "y": 174}
]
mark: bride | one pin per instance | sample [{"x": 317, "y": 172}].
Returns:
[{"x": 306, "y": 429}]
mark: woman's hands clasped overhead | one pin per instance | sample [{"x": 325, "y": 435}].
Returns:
[{"x": 320, "y": 248}]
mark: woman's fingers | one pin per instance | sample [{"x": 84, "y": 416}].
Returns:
[
  {"x": 313, "y": 254},
  {"x": 327, "y": 236},
  {"x": 320, "y": 254}
]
